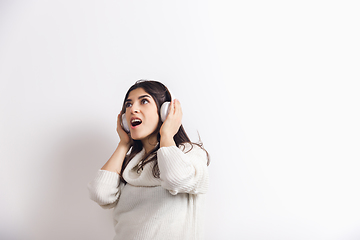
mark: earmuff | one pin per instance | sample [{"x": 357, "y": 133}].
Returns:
[
  {"x": 124, "y": 123},
  {"x": 164, "y": 111}
]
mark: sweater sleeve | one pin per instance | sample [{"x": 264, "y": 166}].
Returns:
[
  {"x": 105, "y": 188},
  {"x": 183, "y": 172}
]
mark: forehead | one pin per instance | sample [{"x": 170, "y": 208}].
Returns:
[{"x": 136, "y": 93}]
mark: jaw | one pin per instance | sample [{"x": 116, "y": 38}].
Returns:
[{"x": 137, "y": 135}]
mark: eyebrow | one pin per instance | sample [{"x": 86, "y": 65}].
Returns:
[{"x": 140, "y": 97}]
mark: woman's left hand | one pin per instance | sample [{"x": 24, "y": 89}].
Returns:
[{"x": 173, "y": 121}]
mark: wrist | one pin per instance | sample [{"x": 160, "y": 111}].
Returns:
[
  {"x": 124, "y": 145},
  {"x": 167, "y": 141}
]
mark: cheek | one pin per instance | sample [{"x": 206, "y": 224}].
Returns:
[
  {"x": 154, "y": 119},
  {"x": 127, "y": 116}
]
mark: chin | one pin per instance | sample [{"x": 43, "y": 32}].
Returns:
[
  {"x": 141, "y": 137},
  {"x": 138, "y": 136}
]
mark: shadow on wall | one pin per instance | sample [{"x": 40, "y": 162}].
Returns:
[{"x": 64, "y": 210}]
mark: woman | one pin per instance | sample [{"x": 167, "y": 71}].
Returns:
[{"x": 157, "y": 189}]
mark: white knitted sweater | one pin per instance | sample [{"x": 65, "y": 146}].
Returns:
[{"x": 169, "y": 207}]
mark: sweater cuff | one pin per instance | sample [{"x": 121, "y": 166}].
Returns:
[
  {"x": 172, "y": 158},
  {"x": 107, "y": 177}
]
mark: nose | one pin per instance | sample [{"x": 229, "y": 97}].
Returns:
[{"x": 134, "y": 109}]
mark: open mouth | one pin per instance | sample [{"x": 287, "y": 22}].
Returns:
[{"x": 135, "y": 122}]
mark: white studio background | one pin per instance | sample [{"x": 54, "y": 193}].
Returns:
[{"x": 271, "y": 86}]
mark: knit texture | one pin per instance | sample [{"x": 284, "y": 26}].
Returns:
[{"x": 149, "y": 208}]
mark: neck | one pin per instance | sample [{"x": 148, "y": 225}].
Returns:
[{"x": 149, "y": 143}]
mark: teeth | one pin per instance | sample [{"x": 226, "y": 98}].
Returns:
[{"x": 135, "y": 120}]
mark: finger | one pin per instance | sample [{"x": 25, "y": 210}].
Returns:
[
  {"x": 178, "y": 105},
  {"x": 118, "y": 123},
  {"x": 118, "y": 119},
  {"x": 178, "y": 109},
  {"x": 172, "y": 108}
]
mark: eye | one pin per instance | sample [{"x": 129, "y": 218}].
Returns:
[
  {"x": 144, "y": 101},
  {"x": 128, "y": 104}
]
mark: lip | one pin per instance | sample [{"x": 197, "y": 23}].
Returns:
[{"x": 133, "y": 127}]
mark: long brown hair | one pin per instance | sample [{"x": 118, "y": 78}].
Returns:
[{"x": 160, "y": 94}]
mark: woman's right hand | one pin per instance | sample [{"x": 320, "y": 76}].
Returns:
[
  {"x": 124, "y": 136},
  {"x": 114, "y": 164}
]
